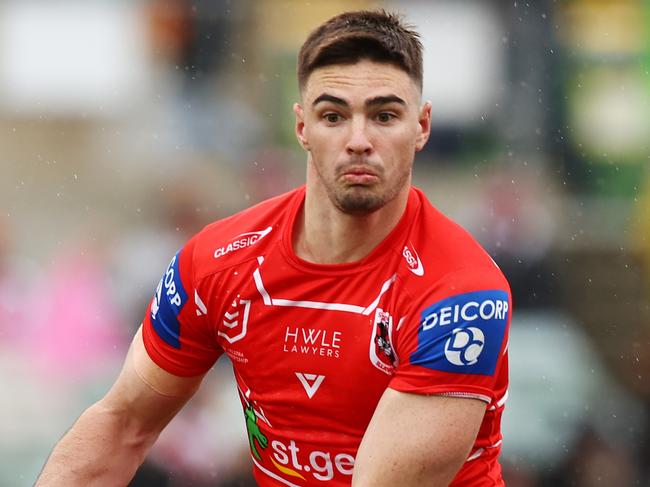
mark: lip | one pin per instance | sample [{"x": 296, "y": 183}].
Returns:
[
  {"x": 359, "y": 175},
  {"x": 359, "y": 171}
]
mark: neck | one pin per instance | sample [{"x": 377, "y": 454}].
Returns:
[{"x": 323, "y": 234}]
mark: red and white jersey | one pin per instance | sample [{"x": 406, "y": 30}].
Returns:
[{"x": 313, "y": 347}]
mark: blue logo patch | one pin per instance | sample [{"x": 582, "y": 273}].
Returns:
[
  {"x": 167, "y": 303},
  {"x": 463, "y": 333}
]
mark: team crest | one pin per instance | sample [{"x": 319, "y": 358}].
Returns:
[
  {"x": 382, "y": 353},
  {"x": 235, "y": 320}
]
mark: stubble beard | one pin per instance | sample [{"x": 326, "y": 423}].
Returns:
[{"x": 365, "y": 199}]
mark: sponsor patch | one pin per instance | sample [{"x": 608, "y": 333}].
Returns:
[
  {"x": 167, "y": 304},
  {"x": 413, "y": 260},
  {"x": 463, "y": 333},
  {"x": 242, "y": 241}
]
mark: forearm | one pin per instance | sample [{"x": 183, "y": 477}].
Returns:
[
  {"x": 102, "y": 448},
  {"x": 111, "y": 438}
]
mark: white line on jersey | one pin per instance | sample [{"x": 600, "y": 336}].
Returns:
[{"x": 350, "y": 308}]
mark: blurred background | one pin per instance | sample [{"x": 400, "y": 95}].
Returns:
[{"x": 125, "y": 126}]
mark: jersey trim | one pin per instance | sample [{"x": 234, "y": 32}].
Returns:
[
  {"x": 350, "y": 308},
  {"x": 401, "y": 384},
  {"x": 501, "y": 402},
  {"x": 466, "y": 395},
  {"x": 393, "y": 241},
  {"x": 480, "y": 451},
  {"x": 151, "y": 346}
]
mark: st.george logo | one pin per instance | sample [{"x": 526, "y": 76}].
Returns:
[
  {"x": 382, "y": 353},
  {"x": 464, "y": 346}
]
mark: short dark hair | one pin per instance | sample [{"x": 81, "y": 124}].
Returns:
[{"x": 353, "y": 36}]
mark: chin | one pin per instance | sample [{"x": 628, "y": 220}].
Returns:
[{"x": 359, "y": 201}]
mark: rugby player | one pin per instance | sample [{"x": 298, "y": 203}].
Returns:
[{"x": 367, "y": 332}]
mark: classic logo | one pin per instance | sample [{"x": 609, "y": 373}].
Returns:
[
  {"x": 382, "y": 353},
  {"x": 242, "y": 241},
  {"x": 413, "y": 261},
  {"x": 235, "y": 321},
  {"x": 310, "y": 382}
]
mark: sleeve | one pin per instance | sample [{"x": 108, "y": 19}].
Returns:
[
  {"x": 454, "y": 340},
  {"x": 176, "y": 330}
]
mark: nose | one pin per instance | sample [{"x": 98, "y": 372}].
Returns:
[{"x": 358, "y": 142}]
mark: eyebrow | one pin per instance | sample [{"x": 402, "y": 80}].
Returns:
[
  {"x": 384, "y": 100},
  {"x": 330, "y": 98},
  {"x": 377, "y": 100}
]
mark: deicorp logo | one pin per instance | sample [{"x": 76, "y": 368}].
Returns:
[
  {"x": 167, "y": 304},
  {"x": 464, "y": 346},
  {"x": 463, "y": 333}
]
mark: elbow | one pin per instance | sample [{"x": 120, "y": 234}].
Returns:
[{"x": 124, "y": 428}]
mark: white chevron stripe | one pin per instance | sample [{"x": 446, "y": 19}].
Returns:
[
  {"x": 230, "y": 316},
  {"x": 231, "y": 324},
  {"x": 350, "y": 308}
]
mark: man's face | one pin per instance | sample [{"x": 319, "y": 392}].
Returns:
[{"x": 361, "y": 124}]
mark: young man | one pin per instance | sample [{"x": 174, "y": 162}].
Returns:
[{"x": 367, "y": 332}]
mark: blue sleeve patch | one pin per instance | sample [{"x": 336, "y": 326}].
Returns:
[
  {"x": 167, "y": 304},
  {"x": 463, "y": 333}
]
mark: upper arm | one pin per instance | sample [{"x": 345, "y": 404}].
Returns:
[
  {"x": 170, "y": 353},
  {"x": 146, "y": 396},
  {"x": 415, "y": 440},
  {"x": 452, "y": 362}
]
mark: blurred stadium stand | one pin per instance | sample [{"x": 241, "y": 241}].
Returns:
[{"x": 127, "y": 126}]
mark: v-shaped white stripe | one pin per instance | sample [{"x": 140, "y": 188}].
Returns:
[
  {"x": 350, "y": 308},
  {"x": 311, "y": 382}
]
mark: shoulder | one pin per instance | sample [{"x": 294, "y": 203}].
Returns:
[
  {"x": 242, "y": 236},
  {"x": 445, "y": 254}
]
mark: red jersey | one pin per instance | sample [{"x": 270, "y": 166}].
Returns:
[{"x": 313, "y": 347}]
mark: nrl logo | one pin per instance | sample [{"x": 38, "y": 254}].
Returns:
[{"x": 235, "y": 321}]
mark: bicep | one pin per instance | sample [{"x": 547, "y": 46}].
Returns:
[
  {"x": 417, "y": 440},
  {"x": 145, "y": 393}
]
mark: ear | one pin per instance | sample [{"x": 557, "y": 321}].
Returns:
[
  {"x": 300, "y": 126},
  {"x": 424, "y": 126}
]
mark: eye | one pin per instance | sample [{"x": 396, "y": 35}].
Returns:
[
  {"x": 332, "y": 117},
  {"x": 385, "y": 117}
]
